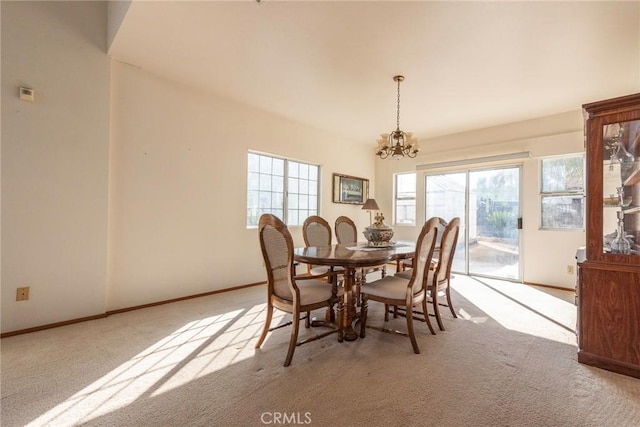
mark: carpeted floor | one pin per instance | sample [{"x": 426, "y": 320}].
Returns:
[{"x": 509, "y": 360}]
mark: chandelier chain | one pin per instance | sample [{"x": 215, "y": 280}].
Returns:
[{"x": 398, "y": 114}]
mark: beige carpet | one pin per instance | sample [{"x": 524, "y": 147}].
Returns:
[{"x": 509, "y": 360}]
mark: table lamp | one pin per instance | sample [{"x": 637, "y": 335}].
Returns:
[{"x": 370, "y": 205}]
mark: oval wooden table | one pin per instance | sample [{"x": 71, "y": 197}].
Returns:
[{"x": 352, "y": 257}]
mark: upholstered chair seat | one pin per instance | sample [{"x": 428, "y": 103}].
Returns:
[{"x": 389, "y": 287}]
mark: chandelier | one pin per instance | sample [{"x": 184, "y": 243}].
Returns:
[{"x": 397, "y": 144}]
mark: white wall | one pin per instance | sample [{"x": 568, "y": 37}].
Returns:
[
  {"x": 545, "y": 253},
  {"x": 178, "y": 186},
  {"x": 54, "y": 161},
  {"x": 117, "y": 11}
]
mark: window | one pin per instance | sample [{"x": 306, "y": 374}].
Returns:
[
  {"x": 282, "y": 187},
  {"x": 562, "y": 192},
  {"x": 405, "y": 198}
]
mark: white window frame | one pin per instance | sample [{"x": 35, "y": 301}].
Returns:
[
  {"x": 397, "y": 198},
  {"x": 561, "y": 193},
  {"x": 290, "y": 179}
]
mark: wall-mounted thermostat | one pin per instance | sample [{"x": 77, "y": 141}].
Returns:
[{"x": 27, "y": 94}]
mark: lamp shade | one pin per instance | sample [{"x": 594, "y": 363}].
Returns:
[{"x": 370, "y": 205}]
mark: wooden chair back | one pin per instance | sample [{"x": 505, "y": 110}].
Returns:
[
  {"x": 346, "y": 231},
  {"x": 276, "y": 244},
  {"x": 447, "y": 251},
  {"x": 316, "y": 231},
  {"x": 442, "y": 224},
  {"x": 425, "y": 247}
]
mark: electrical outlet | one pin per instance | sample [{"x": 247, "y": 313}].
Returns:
[
  {"x": 570, "y": 269},
  {"x": 22, "y": 294}
]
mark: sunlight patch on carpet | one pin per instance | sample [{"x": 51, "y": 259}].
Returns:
[
  {"x": 545, "y": 316},
  {"x": 463, "y": 313},
  {"x": 191, "y": 352}
]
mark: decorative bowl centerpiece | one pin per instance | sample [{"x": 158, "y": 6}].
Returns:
[{"x": 378, "y": 234}]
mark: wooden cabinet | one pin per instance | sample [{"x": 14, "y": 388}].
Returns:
[{"x": 608, "y": 292}]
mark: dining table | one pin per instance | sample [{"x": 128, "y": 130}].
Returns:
[{"x": 352, "y": 258}]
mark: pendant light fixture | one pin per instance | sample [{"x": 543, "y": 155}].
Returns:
[{"x": 397, "y": 144}]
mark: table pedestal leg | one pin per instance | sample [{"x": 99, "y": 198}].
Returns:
[{"x": 349, "y": 305}]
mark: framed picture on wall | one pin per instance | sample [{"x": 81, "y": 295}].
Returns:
[{"x": 350, "y": 189}]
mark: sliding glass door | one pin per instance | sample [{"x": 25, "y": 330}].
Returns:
[
  {"x": 488, "y": 204},
  {"x": 446, "y": 197},
  {"x": 494, "y": 245}
]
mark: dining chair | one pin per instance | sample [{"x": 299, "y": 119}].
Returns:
[
  {"x": 439, "y": 276},
  {"x": 396, "y": 291},
  {"x": 404, "y": 267},
  {"x": 285, "y": 291},
  {"x": 439, "y": 279},
  {"x": 316, "y": 231}
]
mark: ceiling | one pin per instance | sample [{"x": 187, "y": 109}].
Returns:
[{"x": 468, "y": 65}]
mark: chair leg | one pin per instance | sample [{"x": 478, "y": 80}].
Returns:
[
  {"x": 307, "y": 320},
  {"x": 436, "y": 309},
  {"x": 412, "y": 334},
  {"x": 361, "y": 279},
  {"x": 426, "y": 316},
  {"x": 453, "y": 312},
  {"x": 386, "y": 312},
  {"x": 294, "y": 337},
  {"x": 330, "y": 315},
  {"x": 267, "y": 323},
  {"x": 339, "y": 314},
  {"x": 384, "y": 271},
  {"x": 363, "y": 315}
]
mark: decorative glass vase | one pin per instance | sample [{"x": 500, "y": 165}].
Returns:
[
  {"x": 619, "y": 154},
  {"x": 620, "y": 244}
]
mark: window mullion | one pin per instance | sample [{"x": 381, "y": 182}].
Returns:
[
  {"x": 285, "y": 193},
  {"x": 562, "y": 193}
]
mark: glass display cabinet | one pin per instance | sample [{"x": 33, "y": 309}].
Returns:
[
  {"x": 621, "y": 187},
  {"x": 608, "y": 288}
]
